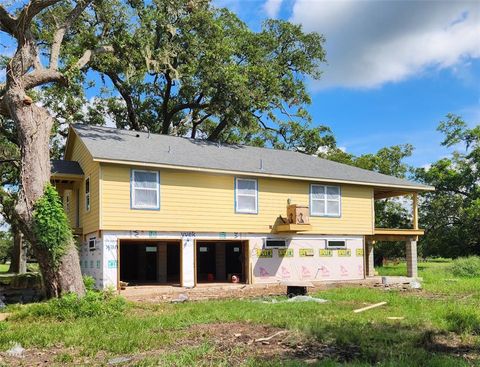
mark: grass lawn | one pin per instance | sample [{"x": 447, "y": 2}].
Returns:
[{"x": 438, "y": 326}]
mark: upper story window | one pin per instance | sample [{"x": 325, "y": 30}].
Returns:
[
  {"x": 325, "y": 201},
  {"x": 246, "y": 195},
  {"x": 87, "y": 194},
  {"x": 145, "y": 189}
]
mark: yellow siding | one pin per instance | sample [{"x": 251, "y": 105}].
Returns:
[
  {"x": 69, "y": 210},
  {"x": 204, "y": 202},
  {"x": 89, "y": 220}
]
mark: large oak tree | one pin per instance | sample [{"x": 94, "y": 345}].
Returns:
[
  {"x": 184, "y": 67},
  {"x": 39, "y": 29}
]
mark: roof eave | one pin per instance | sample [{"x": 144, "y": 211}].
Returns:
[{"x": 410, "y": 188}]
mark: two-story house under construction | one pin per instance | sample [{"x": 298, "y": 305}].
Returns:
[{"x": 157, "y": 209}]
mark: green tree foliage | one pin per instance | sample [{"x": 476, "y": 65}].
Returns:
[
  {"x": 51, "y": 224},
  {"x": 185, "y": 67},
  {"x": 9, "y": 170},
  {"x": 451, "y": 214},
  {"x": 6, "y": 245}
]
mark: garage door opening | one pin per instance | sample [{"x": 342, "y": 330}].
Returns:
[
  {"x": 218, "y": 262},
  {"x": 150, "y": 262}
]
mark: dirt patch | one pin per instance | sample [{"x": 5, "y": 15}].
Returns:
[
  {"x": 157, "y": 294},
  {"x": 453, "y": 344},
  {"x": 234, "y": 342},
  {"x": 267, "y": 342},
  {"x": 169, "y": 294},
  {"x": 41, "y": 357}
]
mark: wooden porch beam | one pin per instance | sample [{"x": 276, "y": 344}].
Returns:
[{"x": 389, "y": 194}]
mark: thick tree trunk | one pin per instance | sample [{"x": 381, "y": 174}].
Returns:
[
  {"x": 18, "y": 263},
  {"x": 34, "y": 126}
]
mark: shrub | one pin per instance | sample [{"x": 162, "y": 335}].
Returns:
[
  {"x": 70, "y": 307},
  {"x": 463, "y": 322},
  {"x": 466, "y": 267},
  {"x": 89, "y": 282},
  {"x": 51, "y": 227}
]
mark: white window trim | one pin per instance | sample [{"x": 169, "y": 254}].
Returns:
[
  {"x": 132, "y": 190},
  {"x": 313, "y": 214},
  {"x": 255, "y": 211},
  {"x": 337, "y": 247},
  {"x": 88, "y": 203},
  {"x": 94, "y": 239},
  {"x": 285, "y": 241}
]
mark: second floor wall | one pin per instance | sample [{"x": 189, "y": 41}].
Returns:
[{"x": 206, "y": 202}]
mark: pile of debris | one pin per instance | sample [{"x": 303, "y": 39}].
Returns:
[{"x": 399, "y": 283}]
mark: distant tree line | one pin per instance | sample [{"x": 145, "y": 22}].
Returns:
[{"x": 451, "y": 214}]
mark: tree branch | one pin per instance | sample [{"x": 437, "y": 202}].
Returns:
[
  {"x": 62, "y": 29},
  {"x": 36, "y": 60},
  {"x": 217, "y": 131},
  {"x": 39, "y": 77},
  {"x": 264, "y": 125},
  {"x": 197, "y": 123},
  {"x": 167, "y": 117},
  {"x": 132, "y": 115},
  {"x": 27, "y": 14},
  {"x": 87, "y": 55},
  {"x": 7, "y": 22}
]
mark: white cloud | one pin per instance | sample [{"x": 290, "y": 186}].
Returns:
[
  {"x": 370, "y": 43},
  {"x": 272, "y": 7}
]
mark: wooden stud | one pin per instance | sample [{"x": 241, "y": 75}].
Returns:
[
  {"x": 415, "y": 210},
  {"x": 369, "y": 307}
]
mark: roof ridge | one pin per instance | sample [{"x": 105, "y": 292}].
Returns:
[
  {"x": 233, "y": 157},
  {"x": 212, "y": 143}
]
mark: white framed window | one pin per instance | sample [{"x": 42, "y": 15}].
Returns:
[
  {"x": 145, "y": 189},
  {"x": 336, "y": 244},
  {"x": 246, "y": 195},
  {"x": 275, "y": 243},
  {"x": 91, "y": 243},
  {"x": 325, "y": 201},
  {"x": 87, "y": 194}
]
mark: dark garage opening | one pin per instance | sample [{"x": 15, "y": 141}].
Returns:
[
  {"x": 150, "y": 262},
  {"x": 219, "y": 261}
]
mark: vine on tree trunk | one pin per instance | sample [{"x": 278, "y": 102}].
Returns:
[{"x": 51, "y": 227}]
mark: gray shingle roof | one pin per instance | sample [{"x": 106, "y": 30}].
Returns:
[
  {"x": 132, "y": 146},
  {"x": 65, "y": 167}
]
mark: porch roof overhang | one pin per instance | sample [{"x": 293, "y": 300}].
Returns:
[
  {"x": 394, "y": 234},
  {"x": 65, "y": 171}
]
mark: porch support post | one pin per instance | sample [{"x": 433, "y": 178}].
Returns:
[
  {"x": 415, "y": 210},
  {"x": 188, "y": 262},
  {"x": 370, "y": 269},
  {"x": 412, "y": 270}
]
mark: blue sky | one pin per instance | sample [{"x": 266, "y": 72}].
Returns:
[{"x": 395, "y": 68}]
